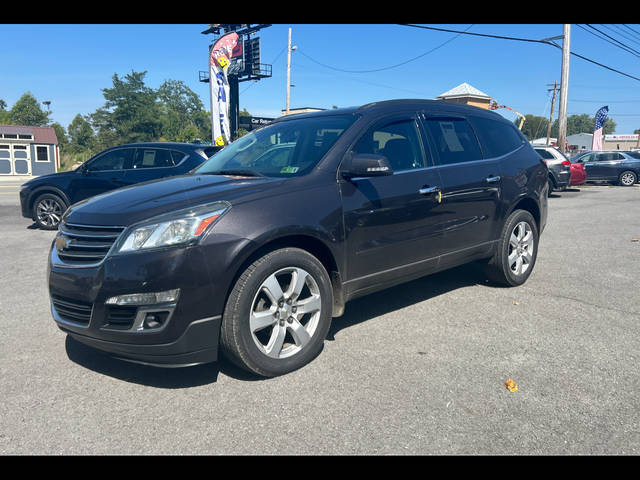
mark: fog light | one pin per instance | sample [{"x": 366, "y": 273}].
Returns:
[
  {"x": 154, "y": 319},
  {"x": 168, "y": 296}
]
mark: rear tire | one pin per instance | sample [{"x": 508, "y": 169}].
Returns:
[
  {"x": 627, "y": 178},
  {"x": 516, "y": 250},
  {"x": 278, "y": 313}
]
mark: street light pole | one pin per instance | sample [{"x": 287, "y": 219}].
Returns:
[
  {"x": 289, "y": 50},
  {"x": 564, "y": 88}
]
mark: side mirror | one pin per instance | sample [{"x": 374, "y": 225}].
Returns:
[{"x": 367, "y": 165}]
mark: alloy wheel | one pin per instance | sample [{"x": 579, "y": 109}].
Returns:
[
  {"x": 285, "y": 312},
  {"x": 49, "y": 212},
  {"x": 521, "y": 246},
  {"x": 627, "y": 179}
]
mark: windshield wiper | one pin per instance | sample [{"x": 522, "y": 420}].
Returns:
[{"x": 239, "y": 172}]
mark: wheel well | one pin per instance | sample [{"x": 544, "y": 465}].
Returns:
[
  {"x": 530, "y": 206},
  {"x": 311, "y": 245},
  {"x": 43, "y": 191}
]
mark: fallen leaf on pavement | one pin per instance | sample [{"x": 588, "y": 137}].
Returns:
[{"x": 511, "y": 385}]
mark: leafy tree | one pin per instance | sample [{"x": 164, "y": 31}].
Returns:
[
  {"x": 81, "y": 134},
  {"x": 534, "y": 126},
  {"x": 27, "y": 111},
  {"x": 130, "y": 113},
  {"x": 61, "y": 135},
  {"x": 583, "y": 123},
  {"x": 181, "y": 108}
]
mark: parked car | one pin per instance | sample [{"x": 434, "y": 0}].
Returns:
[
  {"x": 252, "y": 257},
  {"x": 621, "y": 167},
  {"x": 578, "y": 175},
  {"x": 44, "y": 199},
  {"x": 559, "y": 167}
]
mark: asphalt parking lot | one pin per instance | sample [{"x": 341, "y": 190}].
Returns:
[{"x": 418, "y": 369}]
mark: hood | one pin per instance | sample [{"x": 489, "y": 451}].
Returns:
[
  {"x": 49, "y": 178},
  {"x": 129, "y": 205}
]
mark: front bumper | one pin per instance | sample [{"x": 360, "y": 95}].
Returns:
[
  {"x": 191, "y": 333},
  {"x": 24, "y": 203}
]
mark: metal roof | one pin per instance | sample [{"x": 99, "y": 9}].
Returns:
[
  {"x": 40, "y": 134},
  {"x": 463, "y": 90}
]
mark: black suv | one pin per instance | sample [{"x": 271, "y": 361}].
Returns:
[
  {"x": 44, "y": 199},
  {"x": 255, "y": 251}
]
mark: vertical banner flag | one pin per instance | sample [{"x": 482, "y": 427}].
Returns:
[
  {"x": 601, "y": 118},
  {"x": 225, "y": 48}
]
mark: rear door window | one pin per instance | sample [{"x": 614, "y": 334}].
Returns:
[
  {"x": 454, "y": 140},
  {"x": 153, "y": 158}
]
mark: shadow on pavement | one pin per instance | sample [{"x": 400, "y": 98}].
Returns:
[
  {"x": 401, "y": 296},
  {"x": 159, "y": 377},
  {"x": 357, "y": 311}
]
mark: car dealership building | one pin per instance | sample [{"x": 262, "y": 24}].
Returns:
[{"x": 28, "y": 151}]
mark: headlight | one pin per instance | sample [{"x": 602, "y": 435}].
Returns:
[{"x": 184, "y": 227}]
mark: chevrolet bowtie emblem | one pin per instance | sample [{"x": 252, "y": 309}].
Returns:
[{"x": 61, "y": 243}]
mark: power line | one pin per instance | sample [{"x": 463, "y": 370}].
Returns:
[
  {"x": 390, "y": 67},
  {"x": 616, "y": 44},
  {"x": 629, "y": 28},
  {"x": 547, "y": 42},
  {"x": 501, "y": 37},
  {"x": 619, "y": 31}
]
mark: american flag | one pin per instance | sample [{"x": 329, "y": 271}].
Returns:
[{"x": 601, "y": 117}]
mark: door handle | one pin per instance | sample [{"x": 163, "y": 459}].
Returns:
[
  {"x": 432, "y": 190},
  {"x": 428, "y": 190},
  {"x": 493, "y": 178}
]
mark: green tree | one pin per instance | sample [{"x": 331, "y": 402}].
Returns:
[
  {"x": 81, "y": 134},
  {"x": 5, "y": 117},
  {"x": 27, "y": 111},
  {"x": 181, "y": 109},
  {"x": 130, "y": 113},
  {"x": 534, "y": 126},
  {"x": 583, "y": 123},
  {"x": 63, "y": 141}
]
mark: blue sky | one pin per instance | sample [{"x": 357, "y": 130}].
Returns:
[{"x": 70, "y": 64}]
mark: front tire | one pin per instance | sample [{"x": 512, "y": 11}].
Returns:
[
  {"x": 48, "y": 210},
  {"x": 278, "y": 313},
  {"x": 516, "y": 250}
]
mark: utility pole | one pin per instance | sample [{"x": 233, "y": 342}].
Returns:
[
  {"x": 553, "y": 101},
  {"x": 289, "y": 50},
  {"x": 564, "y": 88}
]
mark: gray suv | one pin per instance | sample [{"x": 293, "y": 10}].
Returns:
[{"x": 559, "y": 167}]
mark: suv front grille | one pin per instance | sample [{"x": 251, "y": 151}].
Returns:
[
  {"x": 85, "y": 244},
  {"x": 72, "y": 310}
]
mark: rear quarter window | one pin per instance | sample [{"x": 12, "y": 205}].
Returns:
[{"x": 497, "y": 138}]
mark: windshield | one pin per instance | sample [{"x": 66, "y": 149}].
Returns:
[{"x": 287, "y": 149}]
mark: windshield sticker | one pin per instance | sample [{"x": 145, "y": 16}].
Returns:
[{"x": 289, "y": 170}]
